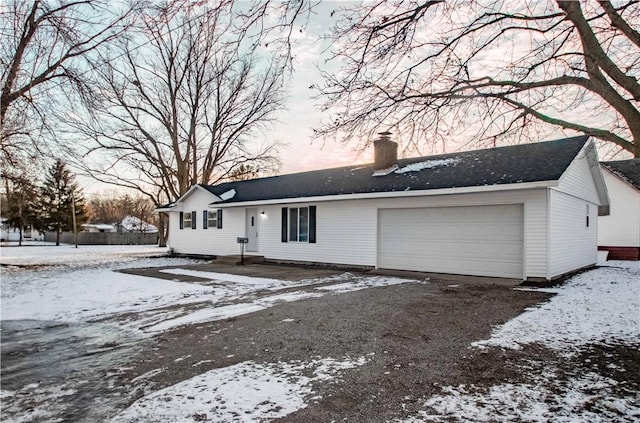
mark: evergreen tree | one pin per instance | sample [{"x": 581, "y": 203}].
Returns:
[
  {"x": 60, "y": 193},
  {"x": 22, "y": 205}
]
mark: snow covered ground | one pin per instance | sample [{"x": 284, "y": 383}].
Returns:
[
  {"x": 598, "y": 307},
  {"x": 601, "y": 306},
  {"x": 83, "y": 285},
  {"x": 47, "y": 253},
  {"x": 247, "y": 392},
  {"x": 592, "y": 307},
  {"x": 94, "y": 292}
]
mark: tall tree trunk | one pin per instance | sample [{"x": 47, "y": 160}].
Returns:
[
  {"x": 163, "y": 230},
  {"x": 57, "y": 237}
]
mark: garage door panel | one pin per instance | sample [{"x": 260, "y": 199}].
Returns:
[{"x": 478, "y": 240}]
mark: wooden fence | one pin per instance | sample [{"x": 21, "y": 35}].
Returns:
[{"x": 104, "y": 238}]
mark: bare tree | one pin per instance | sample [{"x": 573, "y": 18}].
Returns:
[
  {"x": 46, "y": 48},
  {"x": 142, "y": 214},
  {"x": 491, "y": 71},
  {"x": 107, "y": 209},
  {"x": 114, "y": 209},
  {"x": 244, "y": 172},
  {"x": 187, "y": 107}
]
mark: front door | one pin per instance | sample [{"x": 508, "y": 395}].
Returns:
[{"x": 252, "y": 229}]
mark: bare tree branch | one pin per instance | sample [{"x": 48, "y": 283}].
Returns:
[
  {"x": 185, "y": 109},
  {"x": 490, "y": 71},
  {"x": 47, "y": 47}
]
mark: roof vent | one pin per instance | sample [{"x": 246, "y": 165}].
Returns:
[{"x": 385, "y": 154}]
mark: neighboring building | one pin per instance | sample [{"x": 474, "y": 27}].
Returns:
[
  {"x": 135, "y": 224},
  {"x": 8, "y": 233},
  {"x": 525, "y": 212},
  {"x": 98, "y": 227},
  {"x": 619, "y": 233}
]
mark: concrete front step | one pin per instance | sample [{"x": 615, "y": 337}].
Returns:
[{"x": 236, "y": 259}]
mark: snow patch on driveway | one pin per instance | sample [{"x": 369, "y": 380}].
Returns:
[
  {"x": 246, "y": 391},
  {"x": 92, "y": 291},
  {"x": 250, "y": 281}
]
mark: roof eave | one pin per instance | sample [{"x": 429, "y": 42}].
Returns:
[
  {"x": 391, "y": 194},
  {"x": 618, "y": 176}
]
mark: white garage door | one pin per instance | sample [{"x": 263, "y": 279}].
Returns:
[{"x": 478, "y": 240}]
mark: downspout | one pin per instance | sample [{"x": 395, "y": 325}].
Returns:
[{"x": 548, "y": 249}]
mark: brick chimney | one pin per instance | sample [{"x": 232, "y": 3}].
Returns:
[{"x": 385, "y": 152}]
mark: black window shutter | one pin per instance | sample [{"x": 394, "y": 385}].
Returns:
[
  {"x": 312, "y": 224},
  {"x": 219, "y": 217},
  {"x": 194, "y": 218},
  {"x": 285, "y": 213},
  {"x": 205, "y": 223},
  {"x": 181, "y": 220}
]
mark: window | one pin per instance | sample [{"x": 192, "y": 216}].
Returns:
[
  {"x": 188, "y": 220},
  {"x": 212, "y": 219},
  {"x": 299, "y": 224}
]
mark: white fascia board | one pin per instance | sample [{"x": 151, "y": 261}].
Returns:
[
  {"x": 598, "y": 178},
  {"x": 192, "y": 189},
  {"x": 168, "y": 209},
  {"x": 393, "y": 194}
]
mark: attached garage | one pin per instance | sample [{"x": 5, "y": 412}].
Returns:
[{"x": 485, "y": 240}]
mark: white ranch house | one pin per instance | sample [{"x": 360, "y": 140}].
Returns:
[
  {"x": 523, "y": 212},
  {"x": 619, "y": 232}
]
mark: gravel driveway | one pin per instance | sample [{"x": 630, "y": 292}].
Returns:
[{"x": 415, "y": 338}]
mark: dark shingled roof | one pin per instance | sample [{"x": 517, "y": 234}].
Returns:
[
  {"x": 628, "y": 170},
  {"x": 543, "y": 161}
]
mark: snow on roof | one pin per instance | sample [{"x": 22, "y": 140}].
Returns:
[
  {"x": 102, "y": 226},
  {"x": 135, "y": 224},
  {"x": 427, "y": 164},
  {"x": 228, "y": 195}
]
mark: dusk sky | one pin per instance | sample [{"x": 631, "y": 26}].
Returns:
[{"x": 299, "y": 151}]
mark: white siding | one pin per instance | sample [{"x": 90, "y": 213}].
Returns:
[
  {"x": 577, "y": 180},
  {"x": 211, "y": 241},
  {"x": 622, "y": 227},
  {"x": 345, "y": 233},
  {"x": 347, "y": 230},
  {"x": 573, "y": 245}
]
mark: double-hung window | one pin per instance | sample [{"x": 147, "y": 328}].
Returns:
[
  {"x": 299, "y": 224},
  {"x": 188, "y": 220},
  {"x": 212, "y": 219}
]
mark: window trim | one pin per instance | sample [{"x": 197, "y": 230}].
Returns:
[
  {"x": 212, "y": 222},
  {"x": 190, "y": 217},
  {"x": 186, "y": 220},
  {"x": 289, "y": 214}
]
